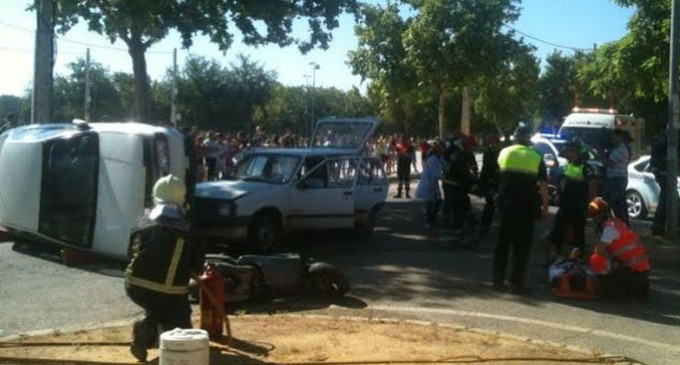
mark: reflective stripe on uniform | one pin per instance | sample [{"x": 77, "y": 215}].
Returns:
[
  {"x": 520, "y": 159},
  {"x": 148, "y": 284},
  {"x": 174, "y": 261},
  {"x": 574, "y": 172},
  {"x": 625, "y": 249},
  {"x": 634, "y": 261}
]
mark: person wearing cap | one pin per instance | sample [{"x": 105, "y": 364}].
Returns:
[
  {"x": 616, "y": 179},
  {"x": 620, "y": 260},
  {"x": 521, "y": 171},
  {"x": 163, "y": 255},
  {"x": 574, "y": 188}
]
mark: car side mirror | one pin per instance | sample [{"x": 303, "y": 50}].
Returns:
[{"x": 550, "y": 160}]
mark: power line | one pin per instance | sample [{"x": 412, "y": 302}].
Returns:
[
  {"x": 80, "y": 42},
  {"x": 29, "y": 50},
  {"x": 547, "y": 42}
]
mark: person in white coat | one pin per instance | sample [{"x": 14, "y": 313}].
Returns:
[{"x": 428, "y": 188}]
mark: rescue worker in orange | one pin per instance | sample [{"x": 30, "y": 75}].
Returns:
[
  {"x": 522, "y": 171},
  {"x": 163, "y": 257},
  {"x": 620, "y": 260}
]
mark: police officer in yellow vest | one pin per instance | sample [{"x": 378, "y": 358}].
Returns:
[
  {"x": 521, "y": 170},
  {"x": 163, "y": 256},
  {"x": 575, "y": 190}
]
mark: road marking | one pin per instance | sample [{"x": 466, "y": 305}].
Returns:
[{"x": 536, "y": 322}]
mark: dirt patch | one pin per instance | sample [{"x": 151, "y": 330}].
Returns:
[{"x": 270, "y": 339}]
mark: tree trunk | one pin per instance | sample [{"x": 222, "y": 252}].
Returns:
[
  {"x": 442, "y": 99},
  {"x": 465, "y": 112},
  {"x": 142, "y": 93}
]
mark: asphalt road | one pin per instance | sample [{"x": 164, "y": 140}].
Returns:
[{"x": 402, "y": 271}]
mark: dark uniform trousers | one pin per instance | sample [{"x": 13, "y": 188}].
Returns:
[
  {"x": 516, "y": 234},
  {"x": 489, "y": 208},
  {"x": 454, "y": 203},
  {"x": 404, "y": 175},
  {"x": 163, "y": 312}
]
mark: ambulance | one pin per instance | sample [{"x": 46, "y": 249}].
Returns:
[{"x": 594, "y": 127}]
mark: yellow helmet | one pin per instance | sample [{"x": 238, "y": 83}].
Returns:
[{"x": 169, "y": 190}]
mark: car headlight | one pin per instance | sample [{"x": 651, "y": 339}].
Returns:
[{"x": 227, "y": 209}]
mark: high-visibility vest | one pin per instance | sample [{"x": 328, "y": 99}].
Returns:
[
  {"x": 627, "y": 249},
  {"x": 574, "y": 172},
  {"x": 519, "y": 158}
]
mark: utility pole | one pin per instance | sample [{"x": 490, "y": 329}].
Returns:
[
  {"x": 88, "y": 86},
  {"x": 43, "y": 61},
  {"x": 173, "y": 105},
  {"x": 300, "y": 129},
  {"x": 672, "y": 135},
  {"x": 315, "y": 67}
]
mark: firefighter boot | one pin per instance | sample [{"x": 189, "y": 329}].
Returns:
[{"x": 143, "y": 337}]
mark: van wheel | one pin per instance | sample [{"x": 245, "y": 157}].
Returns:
[
  {"x": 366, "y": 226},
  {"x": 264, "y": 232}
]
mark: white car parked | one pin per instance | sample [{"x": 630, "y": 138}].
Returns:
[
  {"x": 642, "y": 192},
  {"x": 328, "y": 185}
]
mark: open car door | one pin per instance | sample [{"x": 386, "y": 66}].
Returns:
[
  {"x": 324, "y": 197},
  {"x": 349, "y": 134}
]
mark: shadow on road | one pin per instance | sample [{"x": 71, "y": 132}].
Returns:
[
  {"x": 298, "y": 304},
  {"x": 99, "y": 265},
  {"x": 404, "y": 262}
]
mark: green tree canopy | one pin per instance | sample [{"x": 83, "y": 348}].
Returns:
[{"x": 140, "y": 24}]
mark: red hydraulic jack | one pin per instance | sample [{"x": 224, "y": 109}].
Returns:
[{"x": 211, "y": 298}]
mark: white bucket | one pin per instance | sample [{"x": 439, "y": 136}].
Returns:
[{"x": 184, "y": 347}]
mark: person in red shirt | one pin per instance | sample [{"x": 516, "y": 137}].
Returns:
[
  {"x": 404, "y": 151},
  {"x": 620, "y": 259}
]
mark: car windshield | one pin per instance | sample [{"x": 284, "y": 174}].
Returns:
[
  {"x": 594, "y": 137},
  {"x": 273, "y": 169},
  {"x": 341, "y": 135}
]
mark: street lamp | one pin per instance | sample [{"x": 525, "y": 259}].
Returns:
[{"x": 315, "y": 66}]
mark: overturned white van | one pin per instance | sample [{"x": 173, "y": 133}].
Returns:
[{"x": 85, "y": 185}]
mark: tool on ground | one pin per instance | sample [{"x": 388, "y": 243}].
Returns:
[{"x": 213, "y": 315}]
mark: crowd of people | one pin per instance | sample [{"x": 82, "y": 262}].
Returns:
[{"x": 217, "y": 152}]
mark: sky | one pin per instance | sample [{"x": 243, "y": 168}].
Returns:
[{"x": 571, "y": 23}]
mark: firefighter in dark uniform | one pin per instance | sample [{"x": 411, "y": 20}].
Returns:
[
  {"x": 456, "y": 184},
  {"x": 163, "y": 257},
  {"x": 521, "y": 169},
  {"x": 575, "y": 189},
  {"x": 488, "y": 183}
]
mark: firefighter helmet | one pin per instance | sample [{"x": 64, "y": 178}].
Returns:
[{"x": 169, "y": 190}]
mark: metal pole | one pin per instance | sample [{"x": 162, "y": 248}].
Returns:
[
  {"x": 88, "y": 80},
  {"x": 173, "y": 105},
  {"x": 314, "y": 68},
  {"x": 42, "y": 64},
  {"x": 672, "y": 135}
]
